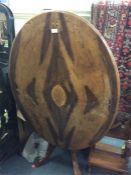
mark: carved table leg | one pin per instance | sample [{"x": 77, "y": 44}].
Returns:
[
  {"x": 75, "y": 163},
  {"x": 38, "y": 162}
]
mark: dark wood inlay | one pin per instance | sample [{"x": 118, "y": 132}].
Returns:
[
  {"x": 68, "y": 137},
  {"x": 31, "y": 90},
  {"x": 66, "y": 37},
  {"x": 91, "y": 100},
  {"x": 46, "y": 38},
  {"x": 52, "y": 130},
  {"x": 57, "y": 74}
]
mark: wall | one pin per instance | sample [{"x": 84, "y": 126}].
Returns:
[
  {"x": 30, "y": 6},
  {"x": 23, "y": 10}
]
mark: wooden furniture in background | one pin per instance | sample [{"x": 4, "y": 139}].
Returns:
[{"x": 110, "y": 157}]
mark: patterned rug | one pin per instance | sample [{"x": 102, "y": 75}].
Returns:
[{"x": 114, "y": 23}]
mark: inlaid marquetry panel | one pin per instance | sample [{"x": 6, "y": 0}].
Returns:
[{"x": 64, "y": 79}]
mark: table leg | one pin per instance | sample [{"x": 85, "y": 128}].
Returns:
[{"x": 75, "y": 163}]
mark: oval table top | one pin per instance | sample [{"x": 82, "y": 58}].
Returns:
[{"x": 64, "y": 79}]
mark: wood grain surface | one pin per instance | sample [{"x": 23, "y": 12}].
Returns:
[{"x": 64, "y": 79}]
